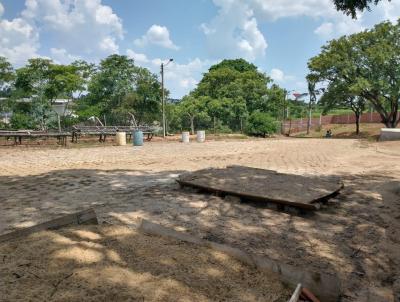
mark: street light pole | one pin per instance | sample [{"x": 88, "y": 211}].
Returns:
[{"x": 163, "y": 97}]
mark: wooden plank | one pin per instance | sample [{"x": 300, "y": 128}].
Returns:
[
  {"x": 296, "y": 295},
  {"x": 83, "y": 217}
]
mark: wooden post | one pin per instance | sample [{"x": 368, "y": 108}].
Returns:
[{"x": 59, "y": 123}]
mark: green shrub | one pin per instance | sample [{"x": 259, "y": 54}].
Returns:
[
  {"x": 22, "y": 121},
  {"x": 261, "y": 124}
]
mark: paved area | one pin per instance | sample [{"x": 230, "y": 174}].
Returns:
[{"x": 356, "y": 236}]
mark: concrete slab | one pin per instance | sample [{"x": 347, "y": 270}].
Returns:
[{"x": 262, "y": 185}]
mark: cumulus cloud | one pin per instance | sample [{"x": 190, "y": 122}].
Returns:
[
  {"x": 1, "y": 9},
  {"x": 19, "y": 40},
  {"x": 180, "y": 78},
  {"x": 234, "y": 32},
  {"x": 341, "y": 25},
  {"x": 139, "y": 58},
  {"x": 156, "y": 35},
  {"x": 84, "y": 27},
  {"x": 61, "y": 56},
  {"x": 78, "y": 26},
  {"x": 279, "y": 76}
]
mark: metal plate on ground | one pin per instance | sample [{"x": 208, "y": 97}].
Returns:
[{"x": 265, "y": 185}]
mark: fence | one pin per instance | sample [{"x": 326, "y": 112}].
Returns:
[{"x": 300, "y": 125}]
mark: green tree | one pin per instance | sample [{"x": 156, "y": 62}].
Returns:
[
  {"x": 7, "y": 76},
  {"x": 368, "y": 65},
  {"x": 272, "y": 102},
  {"x": 234, "y": 79},
  {"x": 350, "y": 7},
  {"x": 145, "y": 100},
  {"x": 114, "y": 80},
  {"x": 340, "y": 97},
  {"x": 193, "y": 108},
  {"x": 261, "y": 124},
  {"x": 312, "y": 93}
]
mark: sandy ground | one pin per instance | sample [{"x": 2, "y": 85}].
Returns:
[
  {"x": 356, "y": 236},
  {"x": 114, "y": 263}
]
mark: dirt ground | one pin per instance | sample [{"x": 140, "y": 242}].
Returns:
[
  {"x": 356, "y": 236},
  {"x": 115, "y": 263}
]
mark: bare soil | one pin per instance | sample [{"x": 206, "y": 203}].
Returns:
[
  {"x": 114, "y": 263},
  {"x": 356, "y": 236}
]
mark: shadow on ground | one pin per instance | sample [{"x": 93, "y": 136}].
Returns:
[{"x": 355, "y": 236}]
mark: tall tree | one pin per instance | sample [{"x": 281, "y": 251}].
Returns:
[
  {"x": 144, "y": 102},
  {"x": 114, "y": 80},
  {"x": 312, "y": 93},
  {"x": 340, "y": 97},
  {"x": 193, "y": 108},
  {"x": 368, "y": 64},
  {"x": 234, "y": 79}
]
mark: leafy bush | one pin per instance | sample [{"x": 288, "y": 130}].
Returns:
[
  {"x": 261, "y": 124},
  {"x": 22, "y": 121}
]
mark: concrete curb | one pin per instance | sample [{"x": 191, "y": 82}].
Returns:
[{"x": 83, "y": 217}]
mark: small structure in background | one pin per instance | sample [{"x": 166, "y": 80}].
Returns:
[{"x": 389, "y": 134}]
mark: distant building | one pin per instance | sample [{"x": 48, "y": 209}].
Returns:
[
  {"x": 60, "y": 106},
  {"x": 173, "y": 101}
]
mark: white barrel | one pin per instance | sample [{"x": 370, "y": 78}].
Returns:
[
  {"x": 185, "y": 137},
  {"x": 120, "y": 138},
  {"x": 201, "y": 136}
]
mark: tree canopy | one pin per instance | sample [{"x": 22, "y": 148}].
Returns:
[
  {"x": 366, "y": 64},
  {"x": 350, "y": 7}
]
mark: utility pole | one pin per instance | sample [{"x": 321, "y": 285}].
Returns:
[{"x": 163, "y": 96}]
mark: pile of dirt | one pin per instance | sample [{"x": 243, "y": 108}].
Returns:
[{"x": 115, "y": 263}]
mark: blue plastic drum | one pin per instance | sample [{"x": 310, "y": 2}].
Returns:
[{"x": 137, "y": 138}]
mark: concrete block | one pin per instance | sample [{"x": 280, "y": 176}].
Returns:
[{"x": 389, "y": 134}]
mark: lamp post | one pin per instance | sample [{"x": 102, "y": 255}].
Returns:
[
  {"x": 163, "y": 96},
  {"x": 284, "y": 109}
]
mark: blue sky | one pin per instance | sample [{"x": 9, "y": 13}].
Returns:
[{"x": 278, "y": 36}]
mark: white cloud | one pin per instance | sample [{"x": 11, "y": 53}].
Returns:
[
  {"x": 61, "y": 56},
  {"x": 156, "y": 35},
  {"x": 19, "y": 40},
  {"x": 140, "y": 58},
  {"x": 234, "y": 32},
  {"x": 279, "y": 76},
  {"x": 1, "y": 9},
  {"x": 227, "y": 35},
  {"x": 325, "y": 29},
  {"x": 272, "y": 10},
  {"x": 342, "y": 25},
  {"x": 180, "y": 78},
  {"x": 79, "y": 26}
]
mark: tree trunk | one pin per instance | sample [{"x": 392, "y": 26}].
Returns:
[
  {"x": 309, "y": 119},
  {"x": 192, "y": 125},
  {"x": 215, "y": 130},
  {"x": 357, "y": 114}
]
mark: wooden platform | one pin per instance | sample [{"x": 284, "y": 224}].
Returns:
[{"x": 264, "y": 185}]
